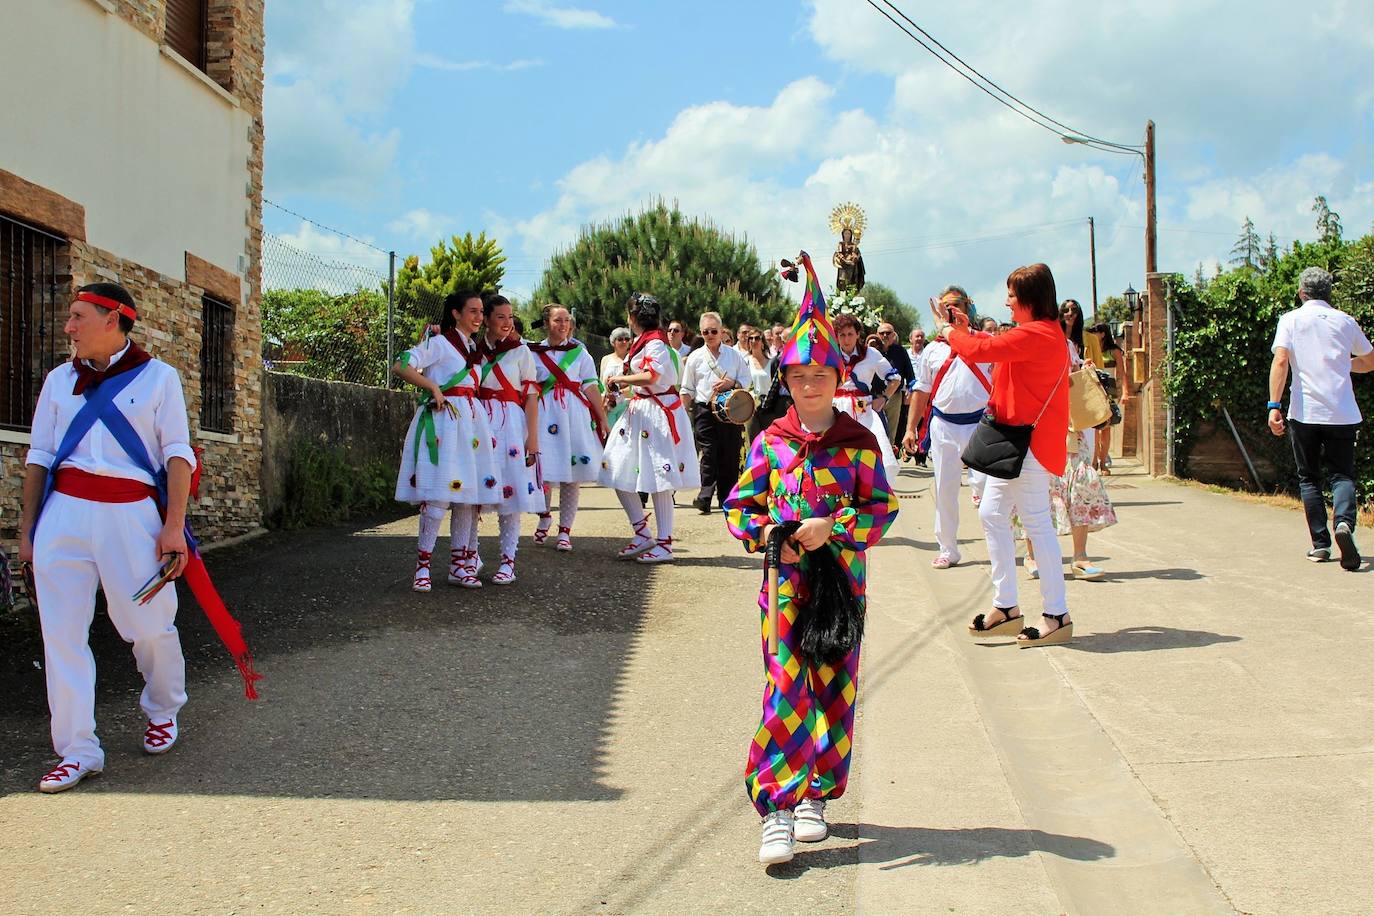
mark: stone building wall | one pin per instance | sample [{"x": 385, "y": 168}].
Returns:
[{"x": 170, "y": 312}]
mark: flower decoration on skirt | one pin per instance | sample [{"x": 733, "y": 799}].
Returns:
[
  {"x": 513, "y": 452},
  {"x": 507, "y": 492},
  {"x": 644, "y": 434},
  {"x": 476, "y": 442},
  {"x": 489, "y": 483},
  {"x": 455, "y": 485},
  {"x": 553, "y": 429}
]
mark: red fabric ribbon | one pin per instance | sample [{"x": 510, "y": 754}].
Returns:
[
  {"x": 88, "y": 376},
  {"x": 845, "y": 432},
  {"x": 668, "y": 411}
]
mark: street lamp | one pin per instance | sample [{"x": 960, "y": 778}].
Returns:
[{"x": 1132, "y": 298}]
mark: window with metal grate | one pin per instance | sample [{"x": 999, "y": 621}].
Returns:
[
  {"x": 33, "y": 307},
  {"x": 186, "y": 29},
  {"x": 216, "y": 366}
]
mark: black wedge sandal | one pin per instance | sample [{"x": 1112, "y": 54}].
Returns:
[
  {"x": 980, "y": 629},
  {"x": 1061, "y": 634}
]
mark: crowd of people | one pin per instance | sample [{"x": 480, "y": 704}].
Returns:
[{"x": 796, "y": 434}]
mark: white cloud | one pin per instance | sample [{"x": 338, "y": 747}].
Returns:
[
  {"x": 314, "y": 147},
  {"x": 435, "y": 62},
  {"x": 959, "y": 189},
  {"x": 310, "y": 258},
  {"x": 561, "y": 17},
  {"x": 421, "y": 225}
]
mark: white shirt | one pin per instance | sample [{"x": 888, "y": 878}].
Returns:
[
  {"x": 873, "y": 370},
  {"x": 153, "y": 403},
  {"x": 683, "y": 350},
  {"x": 703, "y": 370},
  {"x": 1320, "y": 341},
  {"x": 960, "y": 390}
]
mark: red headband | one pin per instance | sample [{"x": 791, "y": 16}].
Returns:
[{"x": 106, "y": 303}]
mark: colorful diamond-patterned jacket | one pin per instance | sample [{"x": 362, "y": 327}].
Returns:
[{"x": 791, "y": 478}]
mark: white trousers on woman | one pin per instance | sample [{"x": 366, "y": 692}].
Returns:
[
  {"x": 1028, "y": 497},
  {"x": 81, "y": 544}
]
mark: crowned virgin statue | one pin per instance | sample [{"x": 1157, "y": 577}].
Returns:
[{"x": 848, "y": 221}]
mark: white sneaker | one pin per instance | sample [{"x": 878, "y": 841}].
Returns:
[
  {"x": 159, "y": 737},
  {"x": 661, "y": 552},
  {"x": 777, "y": 838},
  {"x": 809, "y": 824},
  {"x": 64, "y": 776}
]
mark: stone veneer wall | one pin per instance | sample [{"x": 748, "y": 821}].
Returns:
[{"x": 170, "y": 308}]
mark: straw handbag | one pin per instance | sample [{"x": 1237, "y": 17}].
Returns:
[{"x": 1089, "y": 405}]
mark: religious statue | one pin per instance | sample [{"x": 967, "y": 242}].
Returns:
[{"x": 848, "y": 221}]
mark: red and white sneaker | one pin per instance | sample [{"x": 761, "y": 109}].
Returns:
[
  {"x": 564, "y": 539},
  {"x": 64, "y": 776},
  {"x": 541, "y": 533},
  {"x": 506, "y": 574},
  {"x": 159, "y": 737},
  {"x": 422, "y": 581},
  {"x": 661, "y": 552},
  {"x": 639, "y": 544}
]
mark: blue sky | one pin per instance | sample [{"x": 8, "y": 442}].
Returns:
[{"x": 400, "y": 120}]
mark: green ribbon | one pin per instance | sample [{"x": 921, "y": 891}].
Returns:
[{"x": 426, "y": 431}]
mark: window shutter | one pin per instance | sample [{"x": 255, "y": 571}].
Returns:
[{"x": 185, "y": 32}]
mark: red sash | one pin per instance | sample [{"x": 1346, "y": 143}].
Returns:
[
  {"x": 668, "y": 410},
  {"x": 560, "y": 378},
  {"x": 98, "y": 488}
]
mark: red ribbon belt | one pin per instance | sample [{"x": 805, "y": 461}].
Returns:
[
  {"x": 460, "y": 392},
  {"x": 98, "y": 488},
  {"x": 667, "y": 411},
  {"x": 502, "y": 395}
]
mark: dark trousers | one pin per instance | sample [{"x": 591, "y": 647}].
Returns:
[
  {"x": 1318, "y": 447},
  {"x": 718, "y": 444}
]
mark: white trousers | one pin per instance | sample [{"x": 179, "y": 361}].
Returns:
[
  {"x": 947, "y": 442},
  {"x": 1028, "y": 496},
  {"x": 81, "y": 544}
]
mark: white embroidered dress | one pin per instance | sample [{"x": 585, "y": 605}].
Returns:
[
  {"x": 507, "y": 377},
  {"x": 447, "y": 453},
  {"x": 651, "y": 448},
  {"x": 569, "y": 448},
  {"x": 867, "y": 378}
]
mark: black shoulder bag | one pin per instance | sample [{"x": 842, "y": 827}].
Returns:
[{"x": 999, "y": 449}]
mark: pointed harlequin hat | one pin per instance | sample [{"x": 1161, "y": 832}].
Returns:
[{"x": 811, "y": 342}]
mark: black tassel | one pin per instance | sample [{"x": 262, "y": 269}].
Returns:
[{"x": 832, "y": 622}]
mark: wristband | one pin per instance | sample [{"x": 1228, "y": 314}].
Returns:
[{"x": 1275, "y": 405}]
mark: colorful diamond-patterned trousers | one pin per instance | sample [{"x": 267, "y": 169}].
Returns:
[{"x": 805, "y": 738}]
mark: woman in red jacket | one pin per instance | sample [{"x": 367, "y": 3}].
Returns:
[{"x": 1029, "y": 386}]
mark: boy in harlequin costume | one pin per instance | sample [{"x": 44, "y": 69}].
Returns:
[{"x": 818, "y": 467}]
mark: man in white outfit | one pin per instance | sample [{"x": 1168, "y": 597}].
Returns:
[
  {"x": 91, "y": 518},
  {"x": 956, "y": 393},
  {"x": 711, "y": 370}
]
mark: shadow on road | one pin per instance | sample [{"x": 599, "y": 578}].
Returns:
[
  {"x": 1147, "y": 639},
  {"x": 371, "y": 690},
  {"x": 1175, "y": 574},
  {"x": 902, "y": 847}
]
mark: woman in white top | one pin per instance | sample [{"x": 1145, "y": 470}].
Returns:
[
  {"x": 574, "y": 424},
  {"x": 510, "y": 393},
  {"x": 866, "y": 389},
  {"x": 613, "y": 363},
  {"x": 651, "y": 449},
  {"x": 448, "y": 452}
]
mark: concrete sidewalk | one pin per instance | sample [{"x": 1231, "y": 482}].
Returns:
[{"x": 576, "y": 743}]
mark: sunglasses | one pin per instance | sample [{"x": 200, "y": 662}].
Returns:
[{"x": 710, "y": 332}]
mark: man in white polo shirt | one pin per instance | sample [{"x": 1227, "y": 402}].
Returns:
[
  {"x": 1322, "y": 346},
  {"x": 711, "y": 370}
]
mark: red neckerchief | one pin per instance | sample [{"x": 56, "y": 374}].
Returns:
[
  {"x": 91, "y": 377},
  {"x": 471, "y": 355},
  {"x": 845, "y": 432},
  {"x": 859, "y": 353},
  {"x": 490, "y": 351},
  {"x": 643, "y": 341}
]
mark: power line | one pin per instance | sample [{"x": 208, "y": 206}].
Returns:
[
  {"x": 324, "y": 227},
  {"x": 1000, "y": 95}
]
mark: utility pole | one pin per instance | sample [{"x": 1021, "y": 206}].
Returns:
[
  {"x": 1092, "y": 262},
  {"x": 1151, "y": 228},
  {"x": 390, "y": 315}
]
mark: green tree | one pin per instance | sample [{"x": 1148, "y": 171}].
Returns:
[
  {"x": 1114, "y": 309},
  {"x": 1328, "y": 220},
  {"x": 904, "y": 317},
  {"x": 464, "y": 261},
  {"x": 1246, "y": 251},
  {"x": 313, "y": 333},
  {"x": 1199, "y": 281},
  {"x": 1271, "y": 253},
  {"x": 691, "y": 266}
]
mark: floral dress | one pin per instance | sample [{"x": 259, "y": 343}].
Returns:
[
  {"x": 507, "y": 378},
  {"x": 569, "y": 448},
  {"x": 652, "y": 449},
  {"x": 804, "y": 740},
  {"x": 1079, "y": 498}
]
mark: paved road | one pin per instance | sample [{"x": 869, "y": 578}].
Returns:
[{"x": 1202, "y": 747}]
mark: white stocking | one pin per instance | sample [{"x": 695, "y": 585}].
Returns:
[
  {"x": 568, "y": 495},
  {"x": 630, "y": 503},
  {"x": 510, "y": 533},
  {"x": 663, "y": 512},
  {"x": 431, "y": 515}
]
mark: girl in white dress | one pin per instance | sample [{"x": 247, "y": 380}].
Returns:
[
  {"x": 867, "y": 388},
  {"x": 511, "y": 397},
  {"x": 448, "y": 452},
  {"x": 651, "y": 448},
  {"x": 573, "y": 422}
]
